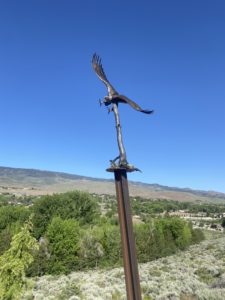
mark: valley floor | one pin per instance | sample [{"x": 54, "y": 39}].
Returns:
[{"x": 198, "y": 273}]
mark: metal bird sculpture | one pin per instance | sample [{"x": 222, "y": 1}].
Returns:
[
  {"x": 113, "y": 99},
  {"x": 113, "y": 95}
]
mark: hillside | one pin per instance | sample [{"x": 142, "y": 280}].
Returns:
[
  {"x": 197, "y": 273},
  {"x": 36, "y": 182}
]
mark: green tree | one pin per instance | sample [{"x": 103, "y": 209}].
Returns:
[
  {"x": 180, "y": 230},
  {"x": 111, "y": 243},
  {"x": 72, "y": 205},
  {"x": 163, "y": 236},
  {"x": 14, "y": 263},
  {"x": 10, "y": 214},
  {"x": 63, "y": 238}
]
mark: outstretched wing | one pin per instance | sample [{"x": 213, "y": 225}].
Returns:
[
  {"x": 97, "y": 66},
  {"x": 133, "y": 104}
]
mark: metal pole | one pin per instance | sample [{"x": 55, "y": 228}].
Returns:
[
  {"x": 123, "y": 157},
  {"x": 127, "y": 236}
]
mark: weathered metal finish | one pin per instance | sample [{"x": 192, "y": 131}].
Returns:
[
  {"x": 123, "y": 163},
  {"x": 127, "y": 236},
  {"x": 123, "y": 157},
  {"x": 112, "y": 100}
]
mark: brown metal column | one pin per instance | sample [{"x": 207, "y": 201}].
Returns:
[{"x": 127, "y": 236}]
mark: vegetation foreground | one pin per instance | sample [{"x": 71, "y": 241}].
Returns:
[
  {"x": 196, "y": 273},
  {"x": 62, "y": 246}
]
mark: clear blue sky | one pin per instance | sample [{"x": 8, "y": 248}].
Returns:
[{"x": 166, "y": 55}]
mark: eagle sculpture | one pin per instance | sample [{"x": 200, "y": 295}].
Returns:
[{"x": 113, "y": 96}]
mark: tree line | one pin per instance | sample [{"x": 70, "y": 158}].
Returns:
[
  {"x": 73, "y": 235},
  {"x": 146, "y": 206}
]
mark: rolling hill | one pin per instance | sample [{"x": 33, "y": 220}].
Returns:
[{"x": 37, "y": 182}]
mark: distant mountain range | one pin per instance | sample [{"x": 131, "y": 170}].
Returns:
[{"x": 36, "y": 182}]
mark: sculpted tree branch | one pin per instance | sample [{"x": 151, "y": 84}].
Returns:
[{"x": 113, "y": 99}]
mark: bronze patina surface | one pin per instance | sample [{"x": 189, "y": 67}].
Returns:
[{"x": 112, "y": 100}]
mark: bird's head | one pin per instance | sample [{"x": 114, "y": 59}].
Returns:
[{"x": 107, "y": 100}]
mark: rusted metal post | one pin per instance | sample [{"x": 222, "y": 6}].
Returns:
[{"x": 127, "y": 236}]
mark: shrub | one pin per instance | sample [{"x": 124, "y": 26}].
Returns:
[
  {"x": 197, "y": 235},
  {"x": 162, "y": 237},
  {"x": 14, "y": 263},
  {"x": 100, "y": 246}
]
